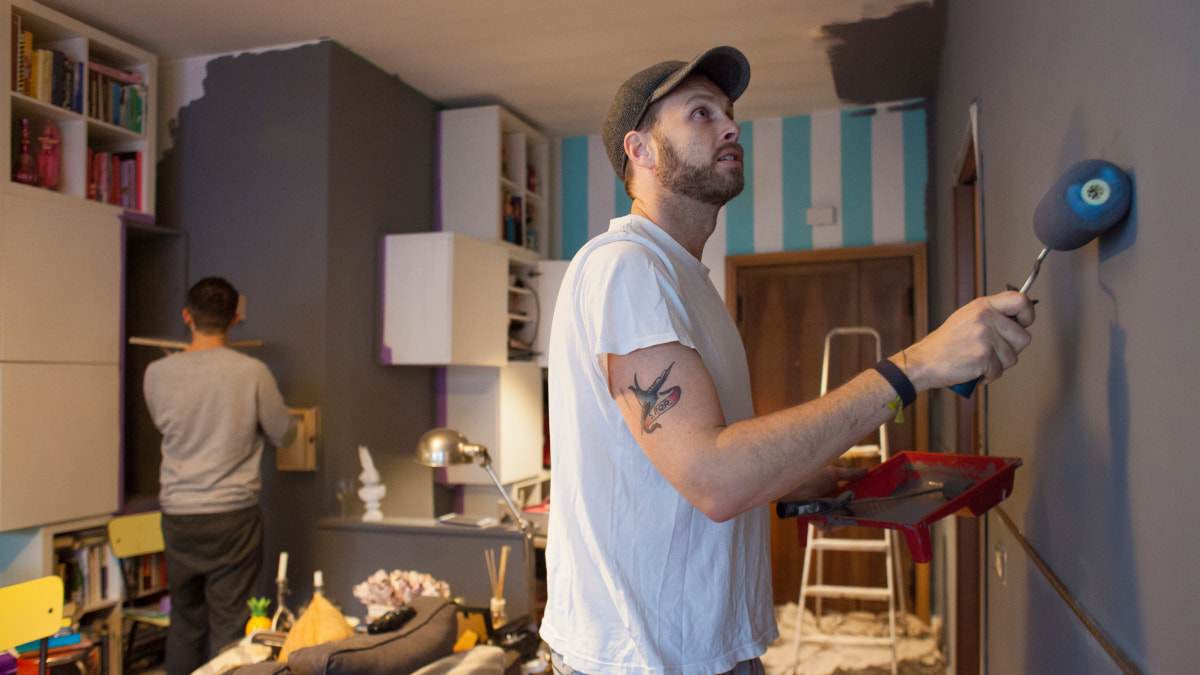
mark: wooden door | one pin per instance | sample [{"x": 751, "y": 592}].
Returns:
[{"x": 784, "y": 305}]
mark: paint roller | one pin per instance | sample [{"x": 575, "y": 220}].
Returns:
[{"x": 1086, "y": 201}]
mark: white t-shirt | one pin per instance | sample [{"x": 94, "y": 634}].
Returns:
[{"x": 639, "y": 580}]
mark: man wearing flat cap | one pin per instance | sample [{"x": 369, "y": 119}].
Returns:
[{"x": 658, "y": 555}]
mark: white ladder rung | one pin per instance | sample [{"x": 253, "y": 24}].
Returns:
[
  {"x": 856, "y": 592},
  {"x": 821, "y": 638},
  {"x": 841, "y": 544},
  {"x": 863, "y": 451},
  {"x": 817, "y": 543}
]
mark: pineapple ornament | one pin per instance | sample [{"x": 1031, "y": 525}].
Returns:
[{"x": 258, "y": 615}]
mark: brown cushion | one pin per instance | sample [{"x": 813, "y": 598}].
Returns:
[{"x": 428, "y": 636}]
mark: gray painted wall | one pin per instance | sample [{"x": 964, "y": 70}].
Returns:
[
  {"x": 1103, "y": 405},
  {"x": 285, "y": 175}
]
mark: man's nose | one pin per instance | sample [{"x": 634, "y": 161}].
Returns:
[{"x": 731, "y": 131}]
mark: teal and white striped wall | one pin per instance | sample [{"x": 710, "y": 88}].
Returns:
[{"x": 869, "y": 164}]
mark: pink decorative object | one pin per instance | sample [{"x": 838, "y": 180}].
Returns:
[
  {"x": 25, "y": 168},
  {"x": 50, "y": 156}
]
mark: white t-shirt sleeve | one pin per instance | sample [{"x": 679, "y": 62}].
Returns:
[{"x": 630, "y": 301}]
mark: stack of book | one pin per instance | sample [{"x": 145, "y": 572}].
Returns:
[
  {"x": 116, "y": 96},
  {"x": 67, "y": 647},
  {"x": 48, "y": 75},
  {"x": 115, "y": 178},
  {"x": 82, "y": 560},
  {"x": 144, "y": 574}
]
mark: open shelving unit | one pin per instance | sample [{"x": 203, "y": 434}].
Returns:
[
  {"x": 494, "y": 177},
  {"x": 88, "y": 119}
]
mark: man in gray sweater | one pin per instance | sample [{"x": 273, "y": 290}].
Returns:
[{"x": 214, "y": 407}]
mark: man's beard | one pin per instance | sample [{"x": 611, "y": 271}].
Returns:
[{"x": 704, "y": 183}]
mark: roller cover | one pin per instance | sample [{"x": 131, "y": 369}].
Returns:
[{"x": 1092, "y": 196}]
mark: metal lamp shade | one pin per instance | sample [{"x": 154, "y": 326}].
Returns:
[{"x": 444, "y": 447}]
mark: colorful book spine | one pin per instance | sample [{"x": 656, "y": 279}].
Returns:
[
  {"x": 26, "y": 60},
  {"x": 14, "y": 55}
]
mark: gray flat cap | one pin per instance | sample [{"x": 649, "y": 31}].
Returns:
[{"x": 725, "y": 66}]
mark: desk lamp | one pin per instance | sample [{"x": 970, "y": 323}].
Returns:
[{"x": 447, "y": 447}]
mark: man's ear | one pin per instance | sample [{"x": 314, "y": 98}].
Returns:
[
  {"x": 640, "y": 149},
  {"x": 187, "y": 317},
  {"x": 236, "y": 319}
]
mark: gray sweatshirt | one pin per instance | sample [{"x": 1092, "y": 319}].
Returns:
[{"x": 214, "y": 408}]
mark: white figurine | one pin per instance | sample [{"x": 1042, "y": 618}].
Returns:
[{"x": 372, "y": 490}]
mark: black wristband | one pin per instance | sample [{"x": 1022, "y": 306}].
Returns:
[{"x": 899, "y": 381}]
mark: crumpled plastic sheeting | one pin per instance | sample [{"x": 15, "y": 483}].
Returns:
[{"x": 916, "y": 648}]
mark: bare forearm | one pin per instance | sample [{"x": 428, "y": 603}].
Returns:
[{"x": 759, "y": 460}]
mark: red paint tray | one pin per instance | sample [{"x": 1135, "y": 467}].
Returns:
[{"x": 912, "y": 472}]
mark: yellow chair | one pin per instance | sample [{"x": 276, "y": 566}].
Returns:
[
  {"x": 130, "y": 536},
  {"x": 138, "y": 534},
  {"x": 32, "y": 611}
]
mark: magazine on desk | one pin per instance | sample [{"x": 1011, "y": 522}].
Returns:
[{"x": 467, "y": 520}]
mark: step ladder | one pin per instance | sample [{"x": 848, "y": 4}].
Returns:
[{"x": 818, "y": 544}]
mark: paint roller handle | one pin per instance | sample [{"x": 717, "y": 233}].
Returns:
[{"x": 966, "y": 389}]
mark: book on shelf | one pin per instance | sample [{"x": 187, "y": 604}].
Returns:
[
  {"x": 144, "y": 574},
  {"x": 512, "y": 225},
  {"x": 116, "y": 178},
  {"x": 116, "y": 96},
  {"x": 46, "y": 74},
  {"x": 14, "y": 56},
  {"x": 82, "y": 560},
  {"x": 26, "y": 60}
]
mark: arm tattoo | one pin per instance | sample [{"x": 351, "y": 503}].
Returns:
[{"x": 653, "y": 403}]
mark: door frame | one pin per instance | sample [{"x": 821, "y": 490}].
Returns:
[{"x": 970, "y": 418}]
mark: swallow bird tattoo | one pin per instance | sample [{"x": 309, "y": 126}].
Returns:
[{"x": 653, "y": 403}]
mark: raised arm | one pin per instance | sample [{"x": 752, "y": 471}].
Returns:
[{"x": 670, "y": 405}]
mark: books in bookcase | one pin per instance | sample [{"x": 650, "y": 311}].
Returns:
[
  {"x": 144, "y": 574},
  {"x": 512, "y": 222},
  {"x": 85, "y": 563},
  {"x": 116, "y": 178},
  {"x": 46, "y": 74},
  {"x": 114, "y": 95}
]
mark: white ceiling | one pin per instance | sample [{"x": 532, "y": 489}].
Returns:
[{"x": 558, "y": 62}]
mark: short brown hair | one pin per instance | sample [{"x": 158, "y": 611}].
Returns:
[{"x": 212, "y": 302}]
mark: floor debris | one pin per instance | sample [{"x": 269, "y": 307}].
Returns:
[{"x": 917, "y": 648}]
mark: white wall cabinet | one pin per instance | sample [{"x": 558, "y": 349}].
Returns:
[
  {"x": 60, "y": 281},
  {"x": 451, "y": 299},
  {"x": 444, "y": 300},
  {"x": 59, "y": 442},
  {"x": 501, "y": 409}
]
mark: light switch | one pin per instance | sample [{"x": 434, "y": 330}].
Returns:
[{"x": 301, "y": 455}]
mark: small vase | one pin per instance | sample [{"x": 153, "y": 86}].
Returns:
[
  {"x": 499, "y": 612},
  {"x": 25, "y": 168}
]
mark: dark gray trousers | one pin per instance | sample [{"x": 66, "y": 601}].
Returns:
[{"x": 213, "y": 563}]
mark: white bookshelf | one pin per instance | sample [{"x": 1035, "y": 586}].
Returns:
[
  {"x": 79, "y": 130},
  {"x": 489, "y": 159}
]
